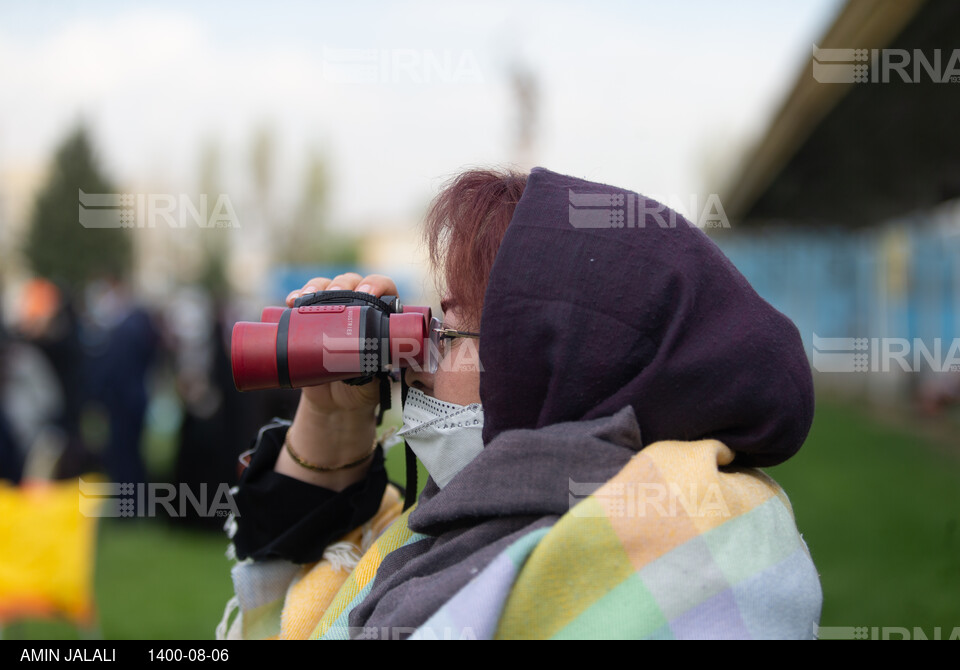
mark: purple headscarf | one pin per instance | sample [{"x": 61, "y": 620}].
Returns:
[{"x": 579, "y": 322}]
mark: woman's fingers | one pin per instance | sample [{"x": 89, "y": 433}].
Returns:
[
  {"x": 378, "y": 285},
  {"x": 344, "y": 282},
  {"x": 312, "y": 286}
]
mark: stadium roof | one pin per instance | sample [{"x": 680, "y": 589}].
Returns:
[{"x": 862, "y": 152}]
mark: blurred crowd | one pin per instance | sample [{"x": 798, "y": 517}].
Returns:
[{"x": 78, "y": 374}]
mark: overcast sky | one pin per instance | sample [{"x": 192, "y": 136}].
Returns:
[{"x": 399, "y": 95}]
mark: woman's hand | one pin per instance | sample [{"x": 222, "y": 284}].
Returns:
[{"x": 335, "y": 423}]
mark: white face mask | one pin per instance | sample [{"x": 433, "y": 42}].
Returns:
[{"x": 443, "y": 435}]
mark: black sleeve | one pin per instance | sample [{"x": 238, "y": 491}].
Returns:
[{"x": 282, "y": 517}]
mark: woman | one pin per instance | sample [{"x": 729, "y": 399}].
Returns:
[{"x": 589, "y": 492}]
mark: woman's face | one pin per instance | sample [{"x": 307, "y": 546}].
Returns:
[{"x": 457, "y": 379}]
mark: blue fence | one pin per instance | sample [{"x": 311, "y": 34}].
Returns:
[{"x": 900, "y": 280}]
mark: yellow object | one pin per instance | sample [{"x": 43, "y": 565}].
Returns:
[
  {"x": 46, "y": 552},
  {"x": 311, "y": 595}
]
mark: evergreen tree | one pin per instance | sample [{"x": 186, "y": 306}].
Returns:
[
  {"x": 57, "y": 246},
  {"x": 215, "y": 242},
  {"x": 308, "y": 239}
]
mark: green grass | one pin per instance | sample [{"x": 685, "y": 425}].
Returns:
[{"x": 879, "y": 510}]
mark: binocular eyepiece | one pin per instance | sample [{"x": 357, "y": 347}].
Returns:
[{"x": 330, "y": 336}]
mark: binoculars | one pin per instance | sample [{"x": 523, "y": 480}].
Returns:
[{"x": 332, "y": 336}]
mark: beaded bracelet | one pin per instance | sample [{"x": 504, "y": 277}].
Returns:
[{"x": 319, "y": 468}]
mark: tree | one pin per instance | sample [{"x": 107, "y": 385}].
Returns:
[
  {"x": 214, "y": 241},
  {"x": 308, "y": 239},
  {"x": 57, "y": 246}
]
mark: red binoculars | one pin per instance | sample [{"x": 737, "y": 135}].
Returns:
[{"x": 331, "y": 336}]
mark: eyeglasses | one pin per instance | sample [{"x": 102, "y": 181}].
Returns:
[{"x": 440, "y": 340}]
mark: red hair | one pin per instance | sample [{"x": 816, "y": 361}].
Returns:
[{"x": 463, "y": 230}]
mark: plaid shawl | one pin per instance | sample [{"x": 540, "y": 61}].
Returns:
[{"x": 677, "y": 543}]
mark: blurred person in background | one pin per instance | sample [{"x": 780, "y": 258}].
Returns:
[
  {"x": 204, "y": 455},
  {"x": 217, "y": 420},
  {"x": 11, "y": 457},
  {"x": 32, "y": 399},
  {"x": 11, "y": 452},
  {"x": 48, "y": 319},
  {"x": 624, "y": 357},
  {"x": 123, "y": 343}
]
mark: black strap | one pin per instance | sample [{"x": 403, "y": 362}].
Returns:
[
  {"x": 342, "y": 298},
  {"x": 385, "y": 399},
  {"x": 283, "y": 365},
  {"x": 410, "y": 492}
]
